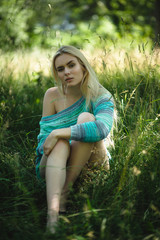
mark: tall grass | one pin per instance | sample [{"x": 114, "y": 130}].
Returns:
[{"x": 121, "y": 205}]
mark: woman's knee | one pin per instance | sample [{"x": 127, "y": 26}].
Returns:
[
  {"x": 85, "y": 117},
  {"x": 61, "y": 143},
  {"x": 62, "y": 148}
]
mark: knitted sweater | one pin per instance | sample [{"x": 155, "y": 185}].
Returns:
[{"x": 102, "y": 109}]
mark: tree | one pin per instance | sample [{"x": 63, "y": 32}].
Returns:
[
  {"x": 13, "y": 23},
  {"x": 22, "y": 22}
]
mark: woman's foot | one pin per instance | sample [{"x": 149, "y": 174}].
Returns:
[{"x": 52, "y": 220}]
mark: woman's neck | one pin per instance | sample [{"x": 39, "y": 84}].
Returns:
[{"x": 73, "y": 92}]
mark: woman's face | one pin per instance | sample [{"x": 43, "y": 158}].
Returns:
[{"x": 69, "y": 70}]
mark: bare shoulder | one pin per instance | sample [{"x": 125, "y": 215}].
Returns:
[
  {"x": 49, "y": 101},
  {"x": 51, "y": 92}
]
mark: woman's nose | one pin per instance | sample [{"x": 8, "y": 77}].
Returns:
[{"x": 67, "y": 71}]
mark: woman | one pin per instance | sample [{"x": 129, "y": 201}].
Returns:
[{"x": 77, "y": 117}]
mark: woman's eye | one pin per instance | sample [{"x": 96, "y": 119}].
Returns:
[
  {"x": 71, "y": 65},
  {"x": 60, "y": 69}
]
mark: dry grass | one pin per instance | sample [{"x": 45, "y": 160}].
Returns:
[
  {"x": 115, "y": 59},
  {"x": 110, "y": 60}
]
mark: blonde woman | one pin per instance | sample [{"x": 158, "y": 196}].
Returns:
[{"x": 77, "y": 117}]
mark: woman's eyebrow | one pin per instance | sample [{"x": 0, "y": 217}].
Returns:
[{"x": 66, "y": 64}]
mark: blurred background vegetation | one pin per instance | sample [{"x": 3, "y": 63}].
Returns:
[{"x": 28, "y": 23}]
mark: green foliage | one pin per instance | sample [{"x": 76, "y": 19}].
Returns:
[
  {"x": 13, "y": 24},
  {"x": 122, "y": 204},
  {"x": 27, "y": 23}
]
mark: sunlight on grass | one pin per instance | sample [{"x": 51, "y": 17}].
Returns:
[
  {"x": 128, "y": 196},
  {"x": 108, "y": 59}
]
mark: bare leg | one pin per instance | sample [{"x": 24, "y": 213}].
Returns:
[
  {"x": 55, "y": 179},
  {"x": 80, "y": 154}
]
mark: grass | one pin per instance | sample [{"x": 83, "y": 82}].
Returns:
[{"x": 121, "y": 205}]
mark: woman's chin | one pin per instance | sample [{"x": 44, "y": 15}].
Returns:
[{"x": 72, "y": 84}]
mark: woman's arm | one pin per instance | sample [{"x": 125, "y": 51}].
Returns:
[
  {"x": 49, "y": 109},
  {"x": 103, "y": 110},
  {"x": 48, "y": 102}
]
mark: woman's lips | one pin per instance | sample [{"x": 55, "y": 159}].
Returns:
[{"x": 68, "y": 79}]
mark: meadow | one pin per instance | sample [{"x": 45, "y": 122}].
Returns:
[{"x": 122, "y": 204}]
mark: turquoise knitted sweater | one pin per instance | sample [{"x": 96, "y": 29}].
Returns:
[{"x": 102, "y": 108}]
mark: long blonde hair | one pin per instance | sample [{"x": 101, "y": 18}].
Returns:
[{"x": 90, "y": 87}]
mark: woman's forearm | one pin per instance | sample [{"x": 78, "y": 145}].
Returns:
[{"x": 63, "y": 133}]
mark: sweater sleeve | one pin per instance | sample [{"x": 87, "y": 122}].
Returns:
[{"x": 103, "y": 111}]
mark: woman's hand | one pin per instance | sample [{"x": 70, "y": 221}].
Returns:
[{"x": 50, "y": 142}]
